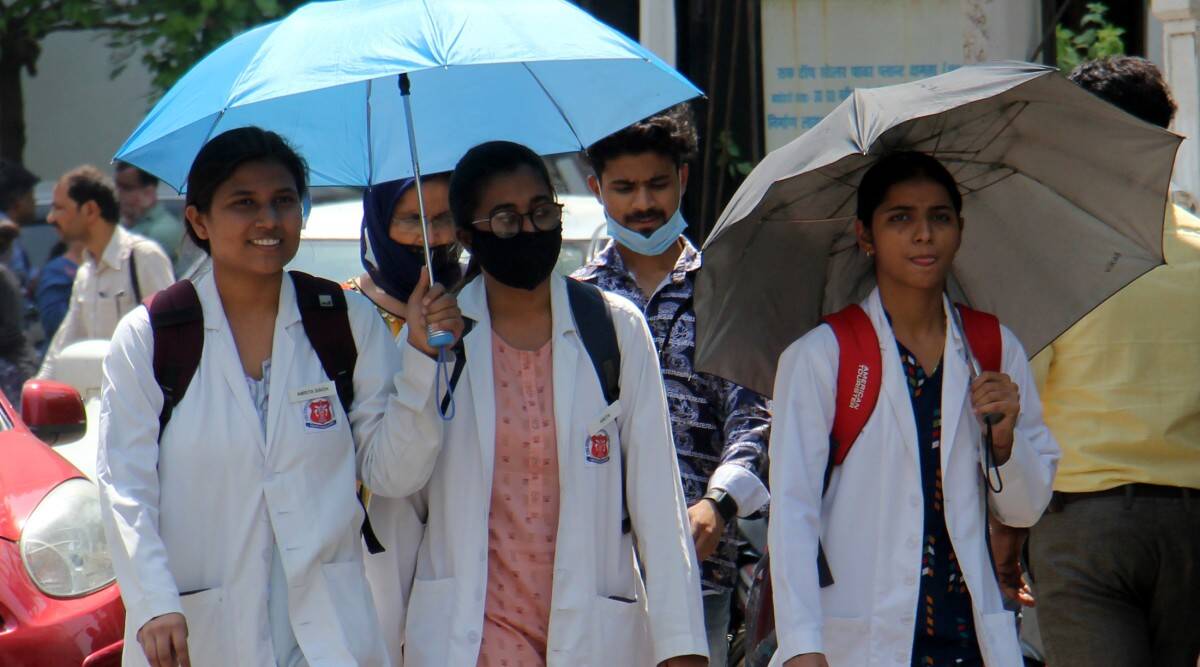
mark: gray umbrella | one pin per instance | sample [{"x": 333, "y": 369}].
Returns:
[{"x": 1064, "y": 197}]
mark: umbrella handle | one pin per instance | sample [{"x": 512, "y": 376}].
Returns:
[{"x": 436, "y": 338}]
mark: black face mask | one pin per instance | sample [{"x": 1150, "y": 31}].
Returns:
[
  {"x": 522, "y": 261},
  {"x": 446, "y": 269}
]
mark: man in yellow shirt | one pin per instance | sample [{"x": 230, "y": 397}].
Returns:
[{"x": 1116, "y": 558}]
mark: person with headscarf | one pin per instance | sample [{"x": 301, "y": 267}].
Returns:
[{"x": 392, "y": 256}]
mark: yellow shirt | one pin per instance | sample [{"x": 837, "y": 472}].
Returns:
[{"x": 1121, "y": 388}]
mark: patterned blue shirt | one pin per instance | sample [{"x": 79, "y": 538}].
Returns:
[{"x": 720, "y": 428}]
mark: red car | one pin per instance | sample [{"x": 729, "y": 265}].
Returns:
[{"x": 59, "y": 604}]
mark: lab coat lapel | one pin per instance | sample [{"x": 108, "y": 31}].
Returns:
[
  {"x": 224, "y": 355},
  {"x": 895, "y": 391},
  {"x": 289, "y": 334},
  {"x": 955, "y": 385},
  {"x": 478, "y": 345},
  {"x": 565, "y": 340}
]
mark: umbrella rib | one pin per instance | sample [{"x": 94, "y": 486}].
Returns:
[
  {"x": 558, "y": 108},
  {"x": 370, "y": 143}
]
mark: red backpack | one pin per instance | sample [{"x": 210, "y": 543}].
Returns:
[{"x": 860, "y": 378}]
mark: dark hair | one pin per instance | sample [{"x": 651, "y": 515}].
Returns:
[
  {"x": 475, "y": 171},
  {"x": 479, "y": 166},
  {"x": 145, "y": 178},
  {"x": 1134, "y": 84},
  {"x": 671, "y": 133},
  {"x": 87, "y": 183},
  {"x": 222, "y": 156},
  {"x": 15, "y": 181},
  {"x": 899, "y": 168}
]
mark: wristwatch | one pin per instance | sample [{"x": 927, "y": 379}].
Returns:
[{"x": 726, "y": 505}]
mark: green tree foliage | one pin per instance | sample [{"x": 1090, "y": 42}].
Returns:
[
  {"x": 168, "y": 37},
  {"x": 1094, "y": 38}
]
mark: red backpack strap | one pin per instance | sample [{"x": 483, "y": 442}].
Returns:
[
  {"x": 178, "y": 323},
  {"x": 323, "y": 312},
  {"x": 860, "y": 377},
  {"x": 983, "y": 335}
]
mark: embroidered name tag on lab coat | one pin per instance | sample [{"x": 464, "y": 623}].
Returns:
[
  {"x": 305, "y": 394},
  {"x": 597, "y": 448},
  {"x": 318, "y": 414}
]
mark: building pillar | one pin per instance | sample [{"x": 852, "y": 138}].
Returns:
[{"x": 1181, "y": 56}]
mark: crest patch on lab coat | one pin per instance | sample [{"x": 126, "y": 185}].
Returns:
[
  {"x": 597, "y": 447},
  {"x": 318, "y": 414}
]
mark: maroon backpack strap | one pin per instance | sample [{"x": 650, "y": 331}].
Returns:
[
  {"x": 178, "y": 324},
  {"x": 860, "y": 377},
  {"x": 323, "y": 312},
  {"x": 326, "y": 320},
  {"x": 983, "y": 335}
]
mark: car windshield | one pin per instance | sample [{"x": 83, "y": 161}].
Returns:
[{"x": 334, "y": 259}]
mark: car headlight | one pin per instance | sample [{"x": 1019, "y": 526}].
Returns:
[{"x": 63, "y": 545}]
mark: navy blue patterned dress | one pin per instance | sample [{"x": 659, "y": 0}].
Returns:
[{"x": 945, "y": 632}]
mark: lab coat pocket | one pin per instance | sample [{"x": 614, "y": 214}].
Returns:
[
  {"x": 998, "y": 639},
  {"x": 620, "y": 633},
  {"x": 205, "y": 625},
  {"x": 354, "y": 610},
  {"x": 846, "y": 641},
  {"x": 430, "y": 618}
]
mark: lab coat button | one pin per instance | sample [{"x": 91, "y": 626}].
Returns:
[
  {"x": 472, "y": 636},
  {"x": 914, "y": 500},
  {"x": 910, "y": 580},
  {"x": 901, "y": 656},
  {"x": 913, "y": 541}
]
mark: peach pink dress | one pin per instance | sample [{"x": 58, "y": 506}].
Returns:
[{"x": 523, "y": 520}]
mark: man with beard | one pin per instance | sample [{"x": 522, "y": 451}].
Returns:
[{"x": 720, "y": 429}]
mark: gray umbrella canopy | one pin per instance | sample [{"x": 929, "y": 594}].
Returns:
[{"x": 1064, "y": 197}]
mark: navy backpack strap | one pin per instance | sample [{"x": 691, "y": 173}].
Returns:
[
  {"x": 460, "y": 362},
  {"x": 178, "y": 324},
  {"x": 594, "y": 324}
]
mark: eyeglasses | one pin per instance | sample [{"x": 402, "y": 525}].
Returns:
[
  {"x": 506, "y": 224},
  {"x": 439, "y": 221}
]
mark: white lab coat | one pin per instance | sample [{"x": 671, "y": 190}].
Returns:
[
  {"x": 594, "y": 562},
  {"x": 203, "y": 510},
  {"x": 871, "y": 519}
]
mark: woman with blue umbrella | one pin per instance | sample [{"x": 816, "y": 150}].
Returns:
[{"x": 392, "y": 257}]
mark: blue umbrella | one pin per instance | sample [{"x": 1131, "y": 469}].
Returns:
[
  {"x": 543, "y": 73},
  {"x": 344, "y": 83}
]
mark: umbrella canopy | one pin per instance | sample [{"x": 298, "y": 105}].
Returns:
[
  {"x": 1064, "y": 197},
  {"x": 543, "y": 73}
]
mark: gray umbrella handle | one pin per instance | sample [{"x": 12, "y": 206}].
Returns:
[{"x": 435, "y": 337}]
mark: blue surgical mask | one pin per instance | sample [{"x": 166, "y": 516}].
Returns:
[{"x": 654, "y": 244}]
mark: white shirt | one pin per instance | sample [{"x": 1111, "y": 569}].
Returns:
[{"x": 103, "y": 291}]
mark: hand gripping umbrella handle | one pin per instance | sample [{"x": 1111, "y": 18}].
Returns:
[{"x": 436, "y": 338}]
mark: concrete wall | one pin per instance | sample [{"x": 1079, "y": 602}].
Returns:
[{"x": 74, "y": 113}]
